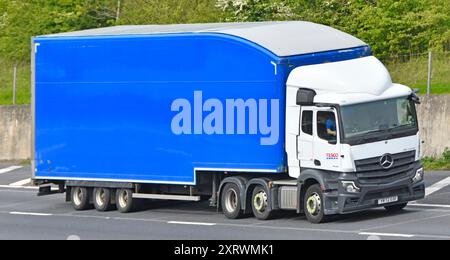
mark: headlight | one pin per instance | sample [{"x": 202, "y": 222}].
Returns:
[
  {"x": 350, "y": 187},
  {"x": 419, "y": 176}
]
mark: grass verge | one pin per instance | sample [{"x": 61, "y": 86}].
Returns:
[{"x": 438, "y": 164}]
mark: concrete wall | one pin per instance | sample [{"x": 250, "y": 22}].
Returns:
[
  {"x": 434, "y": 120},
  {"x": 15, "y": 132},
  {"x": 434, "y": 117}
]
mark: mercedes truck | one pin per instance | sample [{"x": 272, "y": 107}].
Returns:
[{"x": 255, "y": 117}]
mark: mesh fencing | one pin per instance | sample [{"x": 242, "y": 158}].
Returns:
[{"x": 410, "y": 70}]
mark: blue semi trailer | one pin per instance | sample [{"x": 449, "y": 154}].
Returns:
[{"x": 257, "y": 117}]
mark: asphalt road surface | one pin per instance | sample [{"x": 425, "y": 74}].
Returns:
[{"x": 23, "y": 215}]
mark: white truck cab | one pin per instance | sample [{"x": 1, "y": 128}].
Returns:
[{"x": 351, "y": 127}]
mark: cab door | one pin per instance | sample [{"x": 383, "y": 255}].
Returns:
[
  {"x": 326, "y": 148},
  {"x": 305, "y": 140}
]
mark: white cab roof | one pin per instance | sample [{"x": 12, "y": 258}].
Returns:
[
  {"x": 348, "y": 82},
  {"x": 282, "y": 38}
]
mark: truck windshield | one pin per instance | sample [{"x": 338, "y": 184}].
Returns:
[{"x": 386, "y": 116}]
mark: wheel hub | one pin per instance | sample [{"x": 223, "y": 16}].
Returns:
[
  {"x": 314, "y": 204},
  {"x": 101, "y": 197},
  {"x": 260, "y": 201},
  {"x": 123, "y": 200},
  {"x": 78, "y": 197},
  {"x": 231, "y": 200}
]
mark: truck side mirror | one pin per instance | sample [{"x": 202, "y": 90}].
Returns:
[
  {"x": 305, "y": 97},
  {"x": 415, "y": 98}
]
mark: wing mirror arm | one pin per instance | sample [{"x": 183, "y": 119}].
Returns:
[{"x": 415, "y": 98}]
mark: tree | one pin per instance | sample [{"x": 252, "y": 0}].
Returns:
[
  {"x": 22, "y": 19},
  {"x": 169, "y": 12}
]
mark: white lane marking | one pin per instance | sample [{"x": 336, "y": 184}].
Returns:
[
  {"x": 157, "y": 220},
  {"x": 30, "y": 214},
  {"x": 10, "y": 169},
  {"x": 437, "y": 186},
  {"x": 19, "y": 187},
  {"x": 429, "y": 205},
  {"x": 386, "y": 234},
  {"x": 21, "y": 183},
  {"x": 191, "y": 223}
]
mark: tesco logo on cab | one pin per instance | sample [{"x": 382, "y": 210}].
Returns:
[{"x": 332, "y": 156}]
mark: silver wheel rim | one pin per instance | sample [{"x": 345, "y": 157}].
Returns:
[
  {"x": 123, "y": 199},
  {"x": 314, "y": 204},
  {"x": 260, "y": 201},
  {"x": 101, "y": 197},
  {"x": 231, "y": 200},
  {"x": 78, "y": 196}
]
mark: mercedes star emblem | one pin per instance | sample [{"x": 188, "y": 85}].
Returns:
[{"x": 386, "y": 161}]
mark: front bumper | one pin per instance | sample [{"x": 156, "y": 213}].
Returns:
[{"x": 340, "y": 201}]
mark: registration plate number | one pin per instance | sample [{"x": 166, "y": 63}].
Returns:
[{"x": 387, "y": 200}]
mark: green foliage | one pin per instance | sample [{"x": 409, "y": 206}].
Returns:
[
  {"x": 391, "y": 27},
  {"x": 255, "y": 10},
  {"x": 441, "y": 163},
  {"x": 169, "y": 12},
  {"x": 22, "y": 19}
]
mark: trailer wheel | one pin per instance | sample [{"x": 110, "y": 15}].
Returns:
[
  {"x": 314, "y": 205},
  {"x": 125, "y": 202},
  {"x": 231, "y": 201},
  {"x": 102, "y": 199},
  {"x": 79, "y": 196}
]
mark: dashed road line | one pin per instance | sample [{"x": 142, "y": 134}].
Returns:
[
  {"x": 10, "y": 169},
  {"x": 429, "y": 205},
  {"x": 349, "y": 232},
  {"x": 19, "y": 187},
  {"x": 31, "y": 214},
  {"x": 437, "y": 186},
  {"x": 386, "y": 235},
  {"x": 191, "y": 223},
  {"x": 21, "y": 183}
]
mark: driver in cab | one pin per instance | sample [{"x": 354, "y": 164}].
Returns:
[{"x": 330, "y": 125}]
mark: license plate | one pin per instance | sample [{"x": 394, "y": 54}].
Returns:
[{"x": 387, "y": 200}]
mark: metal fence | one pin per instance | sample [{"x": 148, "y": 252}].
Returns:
[
  {"x": 14, "y": 82},
  {"x": 429, "y": 72}
]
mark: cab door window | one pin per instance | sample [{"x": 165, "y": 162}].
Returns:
[
  {"x": 326, "y": 126},
  {"x": 307, "y": 122}
]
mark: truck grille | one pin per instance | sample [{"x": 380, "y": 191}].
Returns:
[{"x": 370, "y": 171}]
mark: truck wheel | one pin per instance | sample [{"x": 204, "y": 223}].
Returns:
[
  {"x": 231, "y": 201},
  {"x": 395, "y": 208},
  {"x": 125, "y": 202},
  {"x": 79, "y": 196},
  {"x": 260, "y": 204},
  {"x": 314, "y": 205},
  {"x": 102, "y": 199}
]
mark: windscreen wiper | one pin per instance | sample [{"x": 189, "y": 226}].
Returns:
[{"x": 366, "y": 135}]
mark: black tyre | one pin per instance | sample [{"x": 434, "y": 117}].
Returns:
[
  {"x": 102, "y": 199},
  {"x": 260, "y": 204},
  {"x": 398, "y": 207},
  {"x": 314, "y": 205},
  {"x": 231, "y": 201},
  {"x": 125, "y": 202},
  {"x": 80, "y": 198}
]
